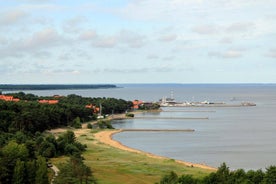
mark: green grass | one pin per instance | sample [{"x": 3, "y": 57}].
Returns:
[{"x": 114, "y": 166}]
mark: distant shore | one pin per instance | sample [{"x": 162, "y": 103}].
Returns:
[{"x": 17, "y": 87}]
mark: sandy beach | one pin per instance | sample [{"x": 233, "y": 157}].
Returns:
[{"x": 106, "y": 138}]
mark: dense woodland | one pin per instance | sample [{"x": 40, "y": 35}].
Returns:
[
  {"x": 28, "y": 115},
  {"x": 25, "y": 147}
]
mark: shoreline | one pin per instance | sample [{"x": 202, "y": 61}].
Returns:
[{"x": 106, "y": 138}]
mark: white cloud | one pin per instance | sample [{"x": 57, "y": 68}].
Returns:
[
  {"x": 12, "y": 17},
  {"x": 105, "y": 42},
  {"x": 228, "y": 54},
  {"x": 43, "y": 39},
  {"x": 241, "y": 27},
  {"x": 73, "y": 25},
  {"x": 271, "y": 53},
  {"x": 168, "y": 38},
  {"x": 205, "y": 29},
  {"x": 88, "y": 35},
  {"x": 153, "y": 57},
  {"x": 131, "y": 38}
]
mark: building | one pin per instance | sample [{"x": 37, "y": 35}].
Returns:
[{"x": 9, "y": 98}]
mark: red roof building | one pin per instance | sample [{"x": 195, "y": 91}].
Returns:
[
  {"x": 9, "y": 98},
  {"x": 48, "y": 101}
]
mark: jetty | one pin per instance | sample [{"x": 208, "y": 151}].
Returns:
[
  {"x": 157, "y": 130},
  {"x": 179, "y": 118}
]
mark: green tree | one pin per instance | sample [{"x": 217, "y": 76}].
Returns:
[
  {"x": 270, "y": 175},
  {"x": 31, "y": 171},
  {"x": 19, "y": 172},
  {"x": 187, "y": 179},
  {"x": 172, "y": 178},
  {"x": 41, "y": 172},
  {"x": 75, "y": 172}
]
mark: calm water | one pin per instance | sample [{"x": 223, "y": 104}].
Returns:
[{"x": 243, "y": 137}]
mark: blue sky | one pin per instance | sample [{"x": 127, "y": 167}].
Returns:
[{"x": 137, "y": 41}]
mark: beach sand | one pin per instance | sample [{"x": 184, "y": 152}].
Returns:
[{"x": 106, "y": 138}]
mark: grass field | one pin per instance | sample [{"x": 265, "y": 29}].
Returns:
[{"x": 114, "y": 166}]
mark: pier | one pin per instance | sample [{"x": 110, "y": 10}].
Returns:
[
  {"x": 187, "y": 111},
  {"x": 179, "y": 118},
  {"x": 157, "y": 130}
]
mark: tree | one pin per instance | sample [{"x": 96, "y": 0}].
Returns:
[
  {"x": 75, "y": 172},
  {"x": 19, "y": 173},
  {"x": 41, "y": 172},
  {"x": 172, "y": 178},
  {"x": 187, "y": 179},
  {"x": 270, "y": 175},
  {"x": 31, "y": 171}
]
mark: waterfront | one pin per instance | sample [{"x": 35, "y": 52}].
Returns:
[{"x": 243, "y": 137}]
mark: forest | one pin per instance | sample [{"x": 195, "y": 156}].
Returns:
[{"x": 25, "y": 148}]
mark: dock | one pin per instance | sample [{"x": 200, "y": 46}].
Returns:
[
  {"x": 175, "y": 118},
  {"x": 157, "y": 130}
]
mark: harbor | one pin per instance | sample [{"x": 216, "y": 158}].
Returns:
[{"x": 171, "y": 102}]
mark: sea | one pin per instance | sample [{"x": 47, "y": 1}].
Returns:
[{"x": 242, "y": 137}]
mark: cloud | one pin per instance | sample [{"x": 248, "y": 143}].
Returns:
[
  {"x": 168, "y": 38},
  {"x": 229, "y": 54},
  {"x": 73, "y": 25},
  {"x": 12, "y": 17},
  {"x": 153, "y": 57},
  {"x": 131, "y": 39},
  {"x": 271, "y": 53},
  {"x": 205, "y": 29},
  {"x": 40, "y": 40},
  {"x": 123, "y": 38},
  {"x": 44, "y": 38},
  {"x": 240, "y": 27},
  {"x": 105, "y": 42},
  {"x": 88, "y": 35}
]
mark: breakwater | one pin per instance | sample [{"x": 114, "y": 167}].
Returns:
[
  {"x": 157, "y": 130},
  {"x": 172, "y": 118}
]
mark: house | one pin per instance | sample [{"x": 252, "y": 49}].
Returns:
[
  {"x": 9, "y": 98},
  {"x": 93, "y": 107},
  {"x": 48, "y": 101},
  {"x": 136, "y": 104}
]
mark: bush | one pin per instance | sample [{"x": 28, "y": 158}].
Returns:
[
  {"x": 89, "y": 125},
  {"x": 130, "y": 115}
]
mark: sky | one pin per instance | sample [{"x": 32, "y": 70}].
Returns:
[{"x": 137, "y": 41}]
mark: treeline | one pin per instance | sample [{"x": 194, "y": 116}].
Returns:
[
  {"x": 224, "y": 176},
  {"x": 23, "y": 157},
  {"x": 25, "y": 147},
  {"x": 30, "y": 116},
  {"x": 7, "y": 87}
]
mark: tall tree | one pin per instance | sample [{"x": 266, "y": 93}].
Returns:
[
  {"x": 41, "y": 173},
  {"x": 19, "y": 173}
]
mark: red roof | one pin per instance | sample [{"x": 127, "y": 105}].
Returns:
[{"x": 9, "y": 98}]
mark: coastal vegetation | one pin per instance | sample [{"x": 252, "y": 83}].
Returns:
[
  {"x": 225, "y": 176},
  {"x": 28, "y": 115},
  {"x": 26, "y": 147}
]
